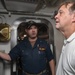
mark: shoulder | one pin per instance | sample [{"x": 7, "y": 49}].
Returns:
[
  {"x": 42, "y": 41},
  {"x": 22, "y": 43}
]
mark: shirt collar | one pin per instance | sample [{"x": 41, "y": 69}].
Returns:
[{"x": 72, "y": 37}]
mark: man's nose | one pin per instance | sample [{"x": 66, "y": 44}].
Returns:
[
  {"x": 33, "y": 30},
  {"x": 56, "y": 16}
]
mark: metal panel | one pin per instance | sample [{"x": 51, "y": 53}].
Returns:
[{"x": 1, "y": 67}]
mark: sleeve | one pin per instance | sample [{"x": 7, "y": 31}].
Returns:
[
  {"x": 15, "y": 52},
  {"x": 49, "y": 52}
]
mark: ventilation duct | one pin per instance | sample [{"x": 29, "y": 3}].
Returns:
[{"x": 22, "y": 5}]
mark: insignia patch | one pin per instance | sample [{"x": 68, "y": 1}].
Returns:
[{"x": 42, "y": 48}]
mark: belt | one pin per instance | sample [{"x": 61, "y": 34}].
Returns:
[{"x": 44, "y": 71}]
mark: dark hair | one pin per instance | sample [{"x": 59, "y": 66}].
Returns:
[
  {"x": 21, "y": 27},
  {"x": 73, "y": 7}
]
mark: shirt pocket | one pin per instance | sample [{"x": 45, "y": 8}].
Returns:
[{"x": 42, "y": 53}]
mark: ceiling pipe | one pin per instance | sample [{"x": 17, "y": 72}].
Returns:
[
  {"x": 3, "y": 3},
  {"x": 31, "y": 14}
]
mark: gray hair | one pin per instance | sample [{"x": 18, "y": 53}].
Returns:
[{"x": 72, "y": 8}]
